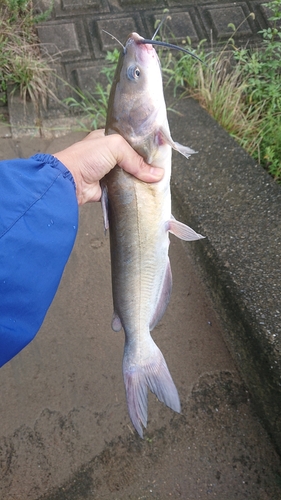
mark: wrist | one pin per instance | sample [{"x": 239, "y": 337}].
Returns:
[{"x": 69, "y": 161}]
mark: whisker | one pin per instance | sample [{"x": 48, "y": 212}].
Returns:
[
  {"x": 114, "y": 38},
  {"x": 160, "y": 25},
  {"x": 171, "y": 46}
]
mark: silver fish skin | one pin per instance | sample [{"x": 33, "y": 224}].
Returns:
[{"x": 139, "y": 218}]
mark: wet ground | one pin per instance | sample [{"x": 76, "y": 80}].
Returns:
[{"x": 65, "y": 433}]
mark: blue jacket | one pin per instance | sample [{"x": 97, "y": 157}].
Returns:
[{"x": 38, "y": 226}]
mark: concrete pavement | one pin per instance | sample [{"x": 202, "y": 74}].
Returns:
[{"x": 65, "y": 432}]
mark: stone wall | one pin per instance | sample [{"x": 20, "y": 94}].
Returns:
[{"x": 74, "y": 35}]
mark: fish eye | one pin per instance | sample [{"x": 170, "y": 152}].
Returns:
[{"x": 133, "y": 72}]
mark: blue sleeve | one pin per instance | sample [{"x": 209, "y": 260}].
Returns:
[{"x": 38, "y": 226}]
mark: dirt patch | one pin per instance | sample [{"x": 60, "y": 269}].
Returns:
[{"x": 215, "y": 449}]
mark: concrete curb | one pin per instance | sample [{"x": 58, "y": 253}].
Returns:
[
  {"x": 224, "y": 195},
  {"x": 25, "y": 121}
]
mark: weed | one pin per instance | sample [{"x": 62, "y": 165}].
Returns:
[
  {"x": 93, "y": 106},
  {"x": 245, "y": 97},
  {"x": 21, "y": 64},
  {"x": 261, "y": 70}
]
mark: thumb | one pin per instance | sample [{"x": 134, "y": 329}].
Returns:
[{"x": 128, "y": 159}]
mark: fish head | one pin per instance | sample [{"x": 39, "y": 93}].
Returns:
[
  {"x": 136, "y": 106},
  {"x": 141, "y": 70}
]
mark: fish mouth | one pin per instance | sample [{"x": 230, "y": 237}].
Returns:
[
  {"x": 139, "y": 50},
  {"x": 136, "y": 38}
]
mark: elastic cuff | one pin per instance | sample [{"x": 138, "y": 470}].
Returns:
[{"x": 55, "y": 163}]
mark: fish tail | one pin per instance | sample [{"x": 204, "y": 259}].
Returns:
[{"x": 153, "y": 373}]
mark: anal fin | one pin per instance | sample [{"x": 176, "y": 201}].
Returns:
[{"x": 164, "y": 297}]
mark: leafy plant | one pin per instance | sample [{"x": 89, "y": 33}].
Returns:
[
  {"x": 245, "y": 97},
  {"x": 262, "y": 71},
  {"x": 93, "y": 106},
  {"x": 21, "y": 12}
]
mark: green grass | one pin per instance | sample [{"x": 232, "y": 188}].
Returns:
[
  {"x": 21, "y": 64},
  {"x": 241, "y": 89},
  {"x": 93, "y": 106}
]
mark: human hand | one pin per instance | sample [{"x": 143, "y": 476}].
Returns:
[{"x": 92, "y": 158}]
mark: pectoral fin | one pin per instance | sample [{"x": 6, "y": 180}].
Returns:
[
  {"x": 165, "y": 137},
  {"x": 104, "y": 206},
  {"x": 183, "y": 150},
  {"x": 182, "y": 231}
]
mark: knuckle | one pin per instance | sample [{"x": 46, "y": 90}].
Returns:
[{"x": 117, "y": 140}]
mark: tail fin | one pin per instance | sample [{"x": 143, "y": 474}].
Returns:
[{"x": 151, "y": 372}]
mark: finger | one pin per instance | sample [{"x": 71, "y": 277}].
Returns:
[
  {"x": 128, "y": 159},
  {"x": 95, "y": 134}
]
